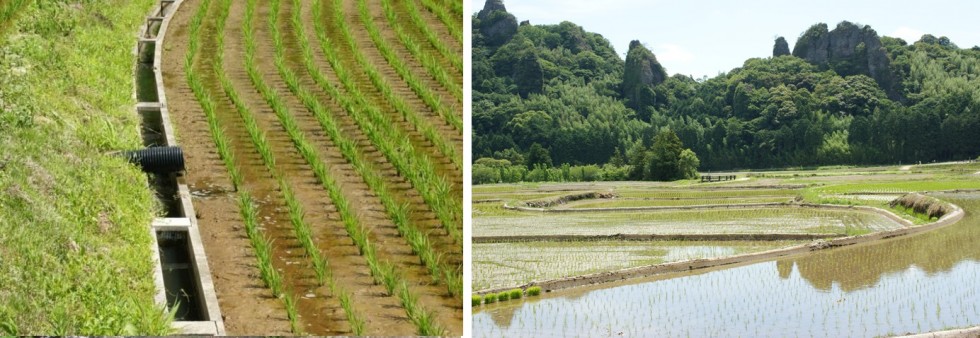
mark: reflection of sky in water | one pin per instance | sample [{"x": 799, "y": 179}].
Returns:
[{"x": 913, "y": 284}]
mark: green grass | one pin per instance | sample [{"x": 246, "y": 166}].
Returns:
[
  {"x": 490, "y": 298},
  {"x": 516, "y": 293},
  {"x": 8, "y": 13},
  {"x": 75, "y": 253}
]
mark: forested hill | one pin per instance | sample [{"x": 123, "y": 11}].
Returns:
[{"x": 842, "y": 96}]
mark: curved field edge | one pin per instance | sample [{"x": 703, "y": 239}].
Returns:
[
  {"x": 697, "y": 264},
  {"x": 75, "y": 253}
]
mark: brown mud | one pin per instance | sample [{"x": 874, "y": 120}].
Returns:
[{"x": 247, "y": 305}]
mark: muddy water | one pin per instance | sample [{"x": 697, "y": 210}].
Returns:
[{"x": 920, "y": 283}]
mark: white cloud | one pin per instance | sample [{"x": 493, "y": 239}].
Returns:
[
  {"x": 671, "y": 53},
  {"x": 908, "y": 34}
]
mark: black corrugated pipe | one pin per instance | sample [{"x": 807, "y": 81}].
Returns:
[{"x": 157, "y": 159}]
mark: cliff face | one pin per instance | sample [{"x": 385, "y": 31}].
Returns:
[
  {"x": 496, "y": 24},
  {"x": 641, "y": 73},
  {"x": 849, "y": 50},
  {"x": 780, "y": 48}
]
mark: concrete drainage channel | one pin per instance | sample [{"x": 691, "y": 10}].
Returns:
[{"x": 182, "y": 276}]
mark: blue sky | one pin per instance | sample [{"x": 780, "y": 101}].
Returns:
[{"x": 707, "y": 37}]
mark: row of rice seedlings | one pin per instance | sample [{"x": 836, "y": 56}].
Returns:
[
  {"x": 399, "y": 214},
  {"x": 505, "y": 295},
  {"x": 407, "y": 112},
  {"x": 417, "y": 168},
  {"x": 454, "y": 27},
  {"x": 261, "y": 244},
  {"x": 424, "y": 320},
  {"x": 382, "y": 272},
  {"x": 418, "y": 241},
  {"x": 428, "y": 61},
  {"x": 456, "y": 59},
  {"x": 413, "y": 81}
]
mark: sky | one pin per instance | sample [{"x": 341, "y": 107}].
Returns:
[{"x": 708, "y": 37}]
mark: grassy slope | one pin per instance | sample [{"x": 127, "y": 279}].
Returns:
[{"x": 74, "y": 245}]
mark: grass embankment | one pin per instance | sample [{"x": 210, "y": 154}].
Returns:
[{"x": 74, "y": 250}]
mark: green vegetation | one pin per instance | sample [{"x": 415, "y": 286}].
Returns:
[
  {"x": 75, "y": 252},
  {"x": 443, "y": 207},
  {"x": 490, "y": 298},
  {"x": 503, "y": 296},
  {"x": 565, "y": 89},
  {"x": 477, "y": 300},
  {"x": 516, "y": 293},
  {"x": 534, "y": 291}
]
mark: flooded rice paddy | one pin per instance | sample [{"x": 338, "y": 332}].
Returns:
[
  {"x": 497, "y": 265},
  {"x": 786, "y": 220},
  {"x": 919, "y": 283}
]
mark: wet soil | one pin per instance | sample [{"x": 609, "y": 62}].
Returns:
[{"x": 246, "y": 304}]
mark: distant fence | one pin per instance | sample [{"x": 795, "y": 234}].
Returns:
[{"x": 717, "y": 178}]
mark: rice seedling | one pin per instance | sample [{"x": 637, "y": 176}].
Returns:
[
  {"x": 291, "y": 313},
  {"x": 516, "y": 293},
  {"x": 399, "y": 65},
  {"x": 490, "y": 298},
  {"x": 418, "y": 169},
  {"x": 428, "y": 61},
  {"x": 534, "y": 291},
  {"x": 447, "y": 19},
  {"x": 422, "y": 319},
  {"x": 382, "y": 272},
  {"x": 399, "y": 213},
  {"x": 503, "y": 296},
  {"x": 400, "y": 105},
  {"x": 477, "y": 300},
  {"x": 433, "y": 39}
]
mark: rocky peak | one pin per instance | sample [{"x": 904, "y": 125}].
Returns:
[
  {"x": 493, "y": 5},
  {"x": 849, "y": 49},
  {"x": 641, "y": 72},
  {"x": 780, "y": 48},
  {"x": 496, "y": 24}
]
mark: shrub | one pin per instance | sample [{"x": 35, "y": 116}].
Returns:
[
  {"x": 503, "y": 296},
  {"x": 516, "y": 294},
  {"x": 477, "y": 300},
  {"x": 534, "y": 291},
  {"x": 489, "y": 298}
]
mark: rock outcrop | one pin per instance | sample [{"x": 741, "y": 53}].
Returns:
[
  {"x": 780, "y": 48},
  {"x": 496, "y": 24},
  {"x": 849, "y": 49},
  {"x": 641, "y": 73}
]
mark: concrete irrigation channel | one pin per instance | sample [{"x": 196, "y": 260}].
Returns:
[
  {"x": 183, "y": 275},
  {"x": 291, "y": 182}
]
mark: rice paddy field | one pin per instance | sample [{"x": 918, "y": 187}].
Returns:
[
  {"x": 770, "y": 220},
  {"x": 323, "y": 141},
  {"x": 499, "y": 265},
  {"x": 909, "y": 284}
]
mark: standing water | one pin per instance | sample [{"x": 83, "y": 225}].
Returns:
[{"x": 919, "y": 283}]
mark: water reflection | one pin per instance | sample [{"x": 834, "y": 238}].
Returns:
[{"x": 920, "y": 283}]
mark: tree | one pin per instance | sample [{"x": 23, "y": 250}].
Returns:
[
  {"x": 688, "y": 164},
  {"x": 639, "y": 159},
  {"x": 538, "y": 155},
  {"x": 666, "y": 152},
  {"x": 617, "y": 159}
]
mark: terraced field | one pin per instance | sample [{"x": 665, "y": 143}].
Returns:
[
  {"x": 546, "y": 232},
  {"x": 324, "y": 146}
]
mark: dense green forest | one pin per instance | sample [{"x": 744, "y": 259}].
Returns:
[{"x": 842, "y": 96}]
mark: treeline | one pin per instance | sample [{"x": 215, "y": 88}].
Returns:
[{"x": 562, "y": 89}]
